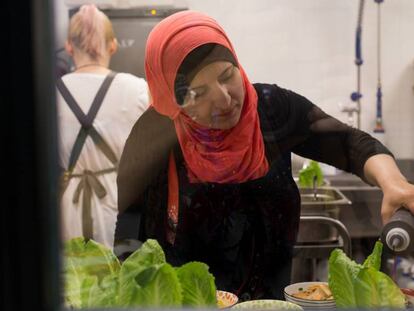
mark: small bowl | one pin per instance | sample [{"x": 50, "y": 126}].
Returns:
[
  {"x": 307, "y": 303},
  {"x": 409, "y": 295},
  {"x": 225, "y": 299},
  {"x": 267, "y": 304}
]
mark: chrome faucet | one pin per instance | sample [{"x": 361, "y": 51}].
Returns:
[
  {"x": 315, "y": 187},
  {"x": 351, "y": 109}
]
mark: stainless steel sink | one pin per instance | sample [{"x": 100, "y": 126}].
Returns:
[
  {"x": 320, "y": 230},
  {"x": 324, "y": 202},
  {"x": 326, "y": 196}
]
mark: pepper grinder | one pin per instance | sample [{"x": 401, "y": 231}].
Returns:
[{"x": 397, "y": 235}]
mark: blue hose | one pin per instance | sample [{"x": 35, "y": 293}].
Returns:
[
  {"x": 378, "y": 124},
  {"x": 358, "y": 49},
  {"x": 356, "y": 96}
]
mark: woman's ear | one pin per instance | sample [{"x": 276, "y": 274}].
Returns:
[
  {"x": 113, "y": 47},
  {"x": 69, "y": 48}
]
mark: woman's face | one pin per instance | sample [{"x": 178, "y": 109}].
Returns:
[{"x": 216, "y": 96}]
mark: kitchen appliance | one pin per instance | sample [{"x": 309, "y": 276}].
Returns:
[{"x": 132, "y": 27}]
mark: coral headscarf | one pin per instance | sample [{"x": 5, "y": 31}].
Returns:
[{"x": 211, "y": 155}]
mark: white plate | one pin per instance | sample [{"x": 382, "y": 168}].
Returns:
[
  {"x": 267, "y": 304},
  {"x": 316, "y": 307},
  {"x": 307, "y": 303},
  {"x": 310, "y": 302}
]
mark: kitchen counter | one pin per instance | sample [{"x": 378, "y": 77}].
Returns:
[
  {"x": 344, "y": 179},
  {"x": 362, "y": 218}
]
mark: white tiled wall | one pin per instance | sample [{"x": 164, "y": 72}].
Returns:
[{"x": 308, "y": 46}]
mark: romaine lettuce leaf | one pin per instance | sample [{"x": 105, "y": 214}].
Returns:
[
  {"x": 362, "y": 286},
  {"x": 90, "y": 268},
  {"x": 199, "y": 289},
  {"x": 308, "y": 173},
  {"x": 374, "y": 289},
  {"x": 342, "y": 273},
  {"x": 94, "y": 278},
  {"x": 150, "y": 253},
  {"x": 374, "y": 259},
  {"x": 155, "y": 286}
]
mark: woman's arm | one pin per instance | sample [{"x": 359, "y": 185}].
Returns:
[
  {"x": 382, "y": 171},
  {"x": 308, "y": 131},
  {"x": 305, "y": 129},
  {"x": 144, "y": 156}
]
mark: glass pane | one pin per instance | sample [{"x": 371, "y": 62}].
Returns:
[{"x": 242, "y": 151}]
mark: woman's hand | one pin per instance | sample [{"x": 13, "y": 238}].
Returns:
[
  {"x": 397, "y": 193},
  {"x": 382, "y": 171}
]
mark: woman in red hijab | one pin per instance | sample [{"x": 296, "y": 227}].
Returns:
[{"x": 208, "y": 166}]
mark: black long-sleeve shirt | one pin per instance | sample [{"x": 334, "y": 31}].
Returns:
[
  {"x": 245, "y": 232},
  {"x": 296, "y": 124}
]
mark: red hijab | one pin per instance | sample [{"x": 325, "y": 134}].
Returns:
[{"x": 211, "y": 155}]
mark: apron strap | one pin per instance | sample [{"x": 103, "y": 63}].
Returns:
[
  {"x": 89, "y": 182},
  {"x": 86, "y": 121}
]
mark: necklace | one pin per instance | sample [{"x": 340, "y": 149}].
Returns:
[{"x": 89, "y": 65}]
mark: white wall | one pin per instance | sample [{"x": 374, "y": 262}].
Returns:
[
  {"x": 61, "y": 23},
  {"x": 308, "y": 46}
]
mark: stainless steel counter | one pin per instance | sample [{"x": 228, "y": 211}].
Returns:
[{"x": 362, "y": 217}]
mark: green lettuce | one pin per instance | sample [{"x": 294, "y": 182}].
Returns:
[
  {"x": 95, "y": 278},
  {"x": 156, "y": 286},
  {"x": 342, "y": 273},
  {"x": 91, "y": 274},
  {"x": 147, "y": 280},
  {"x": 309, "y": 173},
  {"x": 374, "y": 289},
  {"x": 198, "y": 285},
  {"x": 149, "y": 254},
  {"x": 362, "y": 286},
  {"x": 374, "y": 259}
]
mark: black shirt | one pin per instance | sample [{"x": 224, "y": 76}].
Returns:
[{"x": 245, "y": 232}]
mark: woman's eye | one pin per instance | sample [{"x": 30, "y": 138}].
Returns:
[
  {"x": 195, "y": 95},
  {"x": 198, "y": 94},
  {"x": 228, "y": 75}
]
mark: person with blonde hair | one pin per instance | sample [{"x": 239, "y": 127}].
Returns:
[{"x": 96, "y": 111}]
